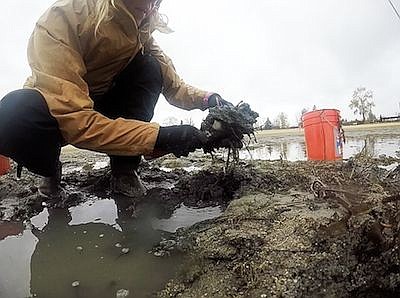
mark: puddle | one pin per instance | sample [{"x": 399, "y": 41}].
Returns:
[
  {"x": 94, "y": 245},
  {"x": 372, "y": 145},
  {"x": 15, "y": 264},
  {"x": 293, "y": 148},
  {"x": 184, "y": 217},
  {"x": 188, "y": 169},
  {"x": 87, "y": 167},
  {"x": 100, "y": 212},
  {"x": 286, "y": 151},
  {"x": 41, "y": 220}
]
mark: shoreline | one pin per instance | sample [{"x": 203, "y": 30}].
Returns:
[{"x": 297, "y": 131}]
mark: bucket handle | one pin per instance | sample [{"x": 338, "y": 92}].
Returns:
[{"x": 340, "y": 128}]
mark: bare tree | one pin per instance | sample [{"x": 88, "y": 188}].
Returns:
[
  {"x": 267, "y": 124},
  {"x": 299, "y": 117},
  {"x": 371, "y": 117},
  {"x": 282, "y": 120},
  {"x": 188, "y": 121},
  {"x": 362, "y": 102},
  {"x": 170, "y": 121}
]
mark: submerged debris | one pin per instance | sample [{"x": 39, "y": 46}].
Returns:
[
  {"x": 122, "y": 293},
  {"x": 75, "y": 284},
  {"x": 226, "y": 126},
  {"x": 125, "y": 250}
]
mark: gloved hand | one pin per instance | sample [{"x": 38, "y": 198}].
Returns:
[
  {"x": 179, "y": 140},
  {"x": 215, "y": 100}
]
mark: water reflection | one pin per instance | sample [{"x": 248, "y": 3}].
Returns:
[
  {"x": 100, "y": 211},
  {"x": 284, "y": 150},
  {"x": 372, "y": 146},
  {"x": 293, "y": 148},
  {"x": 16, "y": 253},
  {"x": 91, "y": 253},
  {"x": 185, "y": 217},
  {"x": 98, "y": 243}
]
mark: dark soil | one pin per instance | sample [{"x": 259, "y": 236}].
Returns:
[{"x": 285, "y": 242}]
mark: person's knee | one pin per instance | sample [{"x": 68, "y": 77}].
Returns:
[
  {"x": 19, "y": 102},
  {"x": 9, "y": 105},
  {"x": 28, "y": 132},
  {"x": 146, "y": 67}
]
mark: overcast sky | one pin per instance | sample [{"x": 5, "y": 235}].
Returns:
[{"x": 277, "y": 55}]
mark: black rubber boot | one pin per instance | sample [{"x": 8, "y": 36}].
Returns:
[
  {"x": 124, "y": 176},
  {"x": 129, "y": 185},
  {"x": 50, "y": 186}
]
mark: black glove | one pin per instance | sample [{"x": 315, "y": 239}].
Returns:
[
  {"x": 179, "y": 140},
  {"x": 215, "y": 100}
]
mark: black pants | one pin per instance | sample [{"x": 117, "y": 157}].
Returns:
[{"x": 30, "y": 135}]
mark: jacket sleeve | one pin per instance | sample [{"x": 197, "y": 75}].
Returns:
[
  {"x": 57, "y": 72},
  {"x": 175, "y": 90}
]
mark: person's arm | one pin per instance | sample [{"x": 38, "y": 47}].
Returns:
[{"x": 58, "y": 68}]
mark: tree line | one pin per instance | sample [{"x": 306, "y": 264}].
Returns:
[{"x": 361, "y": 103}]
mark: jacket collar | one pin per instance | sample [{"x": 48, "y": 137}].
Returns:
[{"x": 123, "y": 17}]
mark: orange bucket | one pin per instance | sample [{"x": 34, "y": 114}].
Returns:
[
  {"x": 4, "y": 165},
  {"x": 323, "y": 135}
]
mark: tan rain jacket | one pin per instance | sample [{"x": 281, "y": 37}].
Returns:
[{"x": 69, "y": 62}]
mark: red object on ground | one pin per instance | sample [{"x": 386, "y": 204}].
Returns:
[
  {"x": 4, "y": 165},
  {"x": 323, "y": 134}
]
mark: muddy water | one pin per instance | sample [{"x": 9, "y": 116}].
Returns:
[
  {"x": 91, "y": 250},
  {"x": 374, "y": 142}
]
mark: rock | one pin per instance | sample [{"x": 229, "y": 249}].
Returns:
[
  {"x": 125, "y": 250},
  {"x": 122, "y": 293},
  {"x": 76, "y": 283},
  {"x": 168, "y": 244},
  {"x": 158, "y": 253}
]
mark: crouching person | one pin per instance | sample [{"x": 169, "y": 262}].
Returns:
[{"x": 97, "y": 74}]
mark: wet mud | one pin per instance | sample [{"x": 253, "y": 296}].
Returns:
[{"x": 288, "y": 229}]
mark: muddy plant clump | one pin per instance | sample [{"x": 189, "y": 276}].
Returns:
[{"x": 226, "y": 127}]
